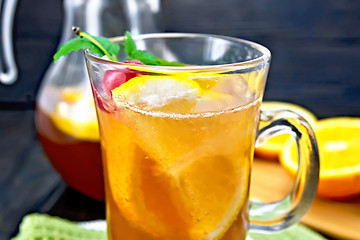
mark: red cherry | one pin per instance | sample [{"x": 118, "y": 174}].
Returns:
[
  {"x": 113, "y": 78},
  {"x": 130, "y": 73},
  {"x": 106, "y": 106}
]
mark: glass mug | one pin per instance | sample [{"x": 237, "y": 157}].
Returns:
[{"x": 178, "y": 142}]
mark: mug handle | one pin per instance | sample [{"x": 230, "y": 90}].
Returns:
[{"x": 275, "y": 216}]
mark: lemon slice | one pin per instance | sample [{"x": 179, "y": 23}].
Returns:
[
  {"x": 72, "y": 95},
  {"x": 215, "y": 212},
  {"x": 159, "y": 93},
  {"x": 75, "y": 116},
  {"x": 179, "y": 94},
  {"x": 207, "y": 81}
]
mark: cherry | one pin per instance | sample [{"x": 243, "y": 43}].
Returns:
[
  {"x": 113, "y": 78},
  {"x": 104, "y": 105},
  {"x": 130, "y": 73}
]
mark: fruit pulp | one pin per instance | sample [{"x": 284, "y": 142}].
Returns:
[
  {"x": 177, "y": 176},
  {"x": 76, "y": 158}
]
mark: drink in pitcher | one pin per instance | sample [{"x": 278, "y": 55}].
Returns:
[{"x": 67, "y": 128}]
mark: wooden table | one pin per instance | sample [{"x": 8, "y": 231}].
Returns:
[
  {"x": 334, "y": 219},
  {"x": 339, "y": 220}
]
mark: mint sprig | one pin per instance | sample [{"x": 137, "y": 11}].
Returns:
[
  {"x": 103, "y": 46},
  {"x": 99, "y": 45},
  {"x": 144, "y": 56}
]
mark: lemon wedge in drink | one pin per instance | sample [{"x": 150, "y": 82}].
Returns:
[
  {"x": 214, "y": 190},
  {"x": 159, "y": 93}
]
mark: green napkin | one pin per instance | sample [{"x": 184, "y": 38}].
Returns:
[
  {"x": 296, "y": 232},
  {"x": 44, "y": 227}
]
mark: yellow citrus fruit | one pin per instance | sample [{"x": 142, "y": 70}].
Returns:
[
  {"x": 273, "y": 146},
  {"x": 159, "y": 93},
  {"x": 71, "y": 95},
  {"x": 217, "y": 211},
  {"x": 173, "y": 94},
  {"x": 339, "y": 145},
  {"x": 75, "y": 115}
]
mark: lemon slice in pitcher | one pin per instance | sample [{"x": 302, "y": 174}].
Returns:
[{"x": 75, "y": 115}]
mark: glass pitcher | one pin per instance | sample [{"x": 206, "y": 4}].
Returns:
[{"x": 65, "y": 116}]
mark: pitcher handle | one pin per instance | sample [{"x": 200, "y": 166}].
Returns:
[
  {"x": 8, "y": 69},
  {"x": 275, "y": 216}
]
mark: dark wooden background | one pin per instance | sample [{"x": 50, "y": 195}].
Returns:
[
  {"x": 315, "y": 45},
  {"x": 316, "y": 63}
]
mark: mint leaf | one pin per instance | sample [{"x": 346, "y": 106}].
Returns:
[
  {"x": 167, "y": 63},
  {"x": 144, "y": 56},
  {"x": 129, "y": 44},
  {"x": 99, "y": 45},
  {"x": 75, "y": 45},
  {"x": 108, "y": 45},
  {"x": 103, "y": 46}
]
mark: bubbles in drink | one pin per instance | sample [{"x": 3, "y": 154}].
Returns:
[{"x": 184, "y": 94}]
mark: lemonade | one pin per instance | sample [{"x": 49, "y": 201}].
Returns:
[
  {"x": 178, "y": 122},
  {"x": 177, "y": 166},
  {"x": 67, "y": 128}
]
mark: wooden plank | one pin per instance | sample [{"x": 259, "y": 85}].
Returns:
[
  {"x": 28, "y": 183},
  {"x": 333, "y": 218}
]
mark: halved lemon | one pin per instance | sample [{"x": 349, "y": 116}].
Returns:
[
  {"x": 273, "y": 146},
  {"x": 339, "y": 146},
  {"x": 75, "y": 115}
]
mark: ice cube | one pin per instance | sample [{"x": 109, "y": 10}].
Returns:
[
  {"x": 236, "y": 86},
  {"x": 225, "y": 92},
  {"x": 213, "y": 101},
  {"x": 167, "y": 98}
]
